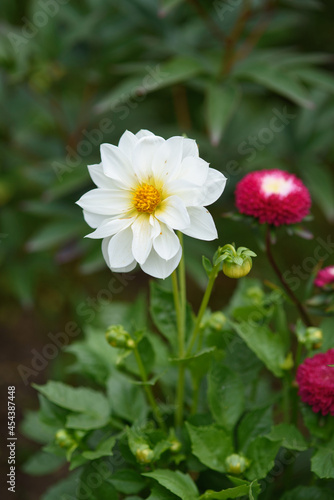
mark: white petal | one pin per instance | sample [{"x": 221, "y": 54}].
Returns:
[
  {"x": 126, "y": 269},
  {"x": 94, "y": 220},
  {"x": 172, "y": 211},
  {"x": 111, "y": 227},
  {"x": 127, "y": 143},
  {"x": 106, "y": 201},
  {"x": 194, "y": 170},
  {"x": 166, "y": 244},
  {"x": 144, "y": 133},
  {"x": 142, "y": 239},
  {"x": 119, "y": 249},
  {"x": 202, "y": 225},
  {"x": 104, "y": 246},
  {"x": 167, "y": 159},
  {"x": 156, "y": 227},
  {"x": 213, "y": 188},
  {"x": 190, "y": 194},
  {"x": 160, "y": 268},
  {"x": 190, "y": 148},
  {"x": 100, "y": 179},
  {"x": 117, "y": 165},
  {"x": 142, "y": 156}
]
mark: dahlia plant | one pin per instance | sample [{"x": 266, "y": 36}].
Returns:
[{"x": 222, "y": 404}]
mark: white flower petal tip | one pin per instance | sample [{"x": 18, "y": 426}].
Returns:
[{"x": 148, "y": 187}]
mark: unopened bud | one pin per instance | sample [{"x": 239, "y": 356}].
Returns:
[
  {"x": 256, "y": 294},
  {"x": 118, "y": 337},
  {"x": 288, "y": 362},
  {"x": 175, "y": 446},
  {"x": 216, "y": 321},
  {"x": 236, "y": 464},
  {"x": 64, "y": 439},
  {"x": 144, "y": 454},
  {"x": 313, "y": 336},
  {"x": 236, "y": 271}
]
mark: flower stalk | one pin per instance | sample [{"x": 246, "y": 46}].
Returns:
[
  {"x": 148, "y": 390},
  {"x": 180, "y": 306},
  {"x": 303, "y": 314}
]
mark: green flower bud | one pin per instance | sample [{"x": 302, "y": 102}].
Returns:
[
  {"x": 236, "y": 271},
  {"x": 288, "y": 362},
  {"x": 236, "y": 464},
  {"x": 144, "y": 454},
  {"x": 256, "y": 294},
  {"x": 313, "y": 337},
  {"x": 216, "y": 321},
  {"x": 175, "y": 446},
  {"x": 64, "y": 439},
  {"x": 118, "y": 337}
]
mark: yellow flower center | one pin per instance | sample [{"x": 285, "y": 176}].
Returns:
[{"x": 146, "y": 198}]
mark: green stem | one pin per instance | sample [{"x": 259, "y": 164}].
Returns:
[
  {"x": 148, "y": 390},
  {"x": 180, "y": 306},
  {"x": 286, "y": 399},
  {"x": 295, "y": 399},
  {"x": 302, "y": 311},
  {"x": 205, "y": 301}
]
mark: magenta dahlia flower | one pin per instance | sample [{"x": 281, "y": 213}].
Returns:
[
  {"x": 325, "y": 276},
  {"x": 273, "y": 196},
  {"x": 316, "y": 382}
]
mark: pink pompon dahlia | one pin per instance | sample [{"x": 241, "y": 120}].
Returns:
[
  {"x": 316, "y": 382},
  {"x": 325, "y": 277},
  {"x": 273, "y": 196}
]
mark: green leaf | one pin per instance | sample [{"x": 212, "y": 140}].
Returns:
[
  {"x": 204, "y": 445},
  {"x": 67, "y": 488},
  {"x": 322, "y": 462},
  {"x": 42, "y": 463},
  {"x": 127, "y": 481},
  {"x": 158, "y": 492},
  {"x": 221, "y": 103},
  {"x": 268, "y": 346},
  {"x": 319, "y": 426},
  {"x": 104, "y": 449},
  {"x": 308, "y": 493},
  {"x": 316, "y": 77},
  {"x": 91, "y": 407},
  {"x": 95, "y": 482},
  {"x": 238, "y": 491},
  {"x": 207, "y": 264},
  {"x": 127, "y": 400},
  {"x": 157, "y": 76},
  {"x": 261, "y": 452},
  {"x": 175, "y": 481},
  {"x": 289, "y": 436},
  {"x": 254, "y": 424},
  {"x": 54, "y": 234},
  {"x": 34, "y": 429},
  {"x": 225, "y": 395},
  {"x": 281, "y": 82}
]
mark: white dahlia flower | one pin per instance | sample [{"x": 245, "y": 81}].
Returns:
[{"x": 147, "y": 187}]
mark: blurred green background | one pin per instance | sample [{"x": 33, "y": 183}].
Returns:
[{"x": 75, "y": 74}]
